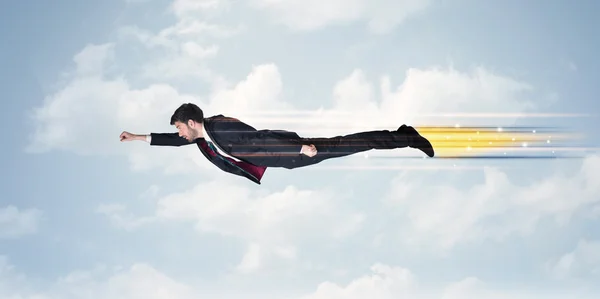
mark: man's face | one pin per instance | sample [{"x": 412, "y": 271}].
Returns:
[{"x": 186, "y": 131}]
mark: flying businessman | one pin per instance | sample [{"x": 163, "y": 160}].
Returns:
[{"x": 240, "y": 149}]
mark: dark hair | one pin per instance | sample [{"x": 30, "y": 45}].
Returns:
[{"x": 187, "y": 111}]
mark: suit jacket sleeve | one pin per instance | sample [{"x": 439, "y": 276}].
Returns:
[{"x": 168, "y": 139}]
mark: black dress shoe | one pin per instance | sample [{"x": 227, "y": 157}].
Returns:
[{"x": 415, "y": 140}]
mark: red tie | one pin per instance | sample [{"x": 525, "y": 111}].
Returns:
[{"x": 256, "y": 171}]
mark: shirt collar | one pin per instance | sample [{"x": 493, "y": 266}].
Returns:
[{"x": 206, "y": 137}]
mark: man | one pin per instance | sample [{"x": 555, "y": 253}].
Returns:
[{"x": 240, "y": 149}]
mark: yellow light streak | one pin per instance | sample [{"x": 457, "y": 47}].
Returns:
[{"x": 457, "y": 141}]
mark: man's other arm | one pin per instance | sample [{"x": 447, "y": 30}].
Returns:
[{"x": 271, "y": 141}]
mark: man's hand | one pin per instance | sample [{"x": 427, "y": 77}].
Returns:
[
  {"x": 126, "y": 136},
  {"x": 309, "y": 150}
]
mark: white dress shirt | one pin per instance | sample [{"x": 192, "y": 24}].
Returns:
[{"x": 220, "y": 150}]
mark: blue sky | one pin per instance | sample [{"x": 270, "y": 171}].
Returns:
[{"x": 82, "y": 212}]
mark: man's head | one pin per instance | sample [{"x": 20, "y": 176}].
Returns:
[{"x": 188, "y": 120}]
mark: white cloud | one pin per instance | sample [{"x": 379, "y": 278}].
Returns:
[
  {"x": 272, "y": 223},
  {"x": 438, "y": 91},
  {"x": 445, "y": 215},
  {"x": 87, "y": 116},
  {"x": 420, "y": 99},
  {"x": 181, "y": 51},
  {"x": 185, "y": 30},
  {"x": 189, "y": 7},
  {"x": 93, "y": 58},
  {"x": 282, "y": 216},
  {"x": 388, "y": 282},
  {"x": 118, "y": 216},
  {"x": 78, "y": 117},
  {"x": 139, "y": 281},
  {"x": 261, "y": 89},
  {"x": 195, "y": 29},
  {"x": 15, "y": 222},
  {"x": 196, "y": 51},
  {"x": 142, "y": 280},
  {"x": 583, "y": 261},
  {"x": 259, "y": 256},
  {"x": 384, "y": 282},
  {"x": 251, "y": 260},
  {"x": 185, "y": 66},
  {"x": 151, "y": 192},
  {"x": 382, "y": 16}
]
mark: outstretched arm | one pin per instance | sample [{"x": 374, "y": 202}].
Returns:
[
  {"x": 157, "y": 139},
  {"x": 167, "y": 139}
]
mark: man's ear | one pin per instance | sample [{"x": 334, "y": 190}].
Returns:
[{"x": 191, "y": 123}]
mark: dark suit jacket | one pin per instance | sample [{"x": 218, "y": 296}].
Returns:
[{"x": 257, "y": 149}]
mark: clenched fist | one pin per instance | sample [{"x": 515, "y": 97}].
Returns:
[
  {"x": 309, "y": 150},
  {"x": 126, "y": 136}
]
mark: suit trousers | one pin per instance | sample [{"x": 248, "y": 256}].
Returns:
[{"x": 344, "y": 145}]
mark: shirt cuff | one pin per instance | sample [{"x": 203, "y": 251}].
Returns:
[{"x": 148, "y": 138}]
